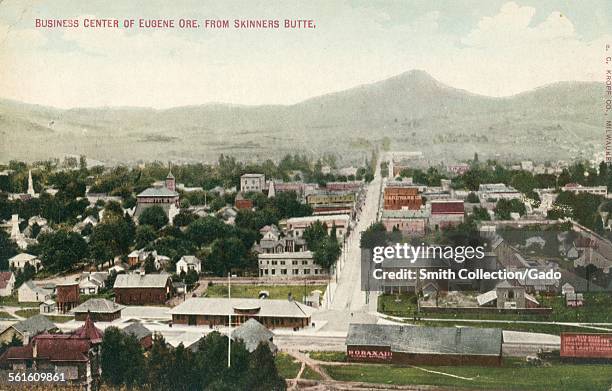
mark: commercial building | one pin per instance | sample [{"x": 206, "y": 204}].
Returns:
[
  {"x": 165, "y": 197},
  {"x": 402, "y": 197},
  {"x": 415, "y": 345},
  {"x": 252, "y": 182},
  {"x": 497, "y": 191},
  {"x": 408, "y": 222},
  {"x": 578, "y": 189},
  {"x": 445, "y": 213},
  {"x": 216, "y": 312},
  {"x": 289, "y": 265},
  {"x": 299, "y": 224},
  {"x": 67, "y": 296}
]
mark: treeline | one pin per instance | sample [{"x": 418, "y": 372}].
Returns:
[{"x": 124, "y": 363}]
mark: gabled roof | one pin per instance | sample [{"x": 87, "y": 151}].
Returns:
[
  {"x": 89, "y": 331},
  {"x": 138, "y": 330},
  {"x": 5, "y": 277},
  {"x": 30, "y": 284},
  {"x": 225, "y": 307},
  {"x": 190, "y": 259},
  {"x": 99, "y": 306},
  {"x": 34, "y": 325},
  {"x": 135, "y": 280}
]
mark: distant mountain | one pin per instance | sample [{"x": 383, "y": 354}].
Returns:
[{"x": 413, "y": 110}]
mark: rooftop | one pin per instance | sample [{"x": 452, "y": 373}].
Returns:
[
  {"x": 158, "y": 192},
  {"x": 136, "y": 280},
  {"x": 428, "y": 340},
  {"x": 226, "y": 307},
  {"x": 99, "y": 306}
]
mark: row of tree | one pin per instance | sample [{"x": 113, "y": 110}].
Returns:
[{"x": 124, "y": 363}]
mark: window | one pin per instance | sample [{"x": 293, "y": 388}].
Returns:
[
  {"x": 304, "y": 262},
  {"x": 295, "y": 272},
  {"x": 282, "y": 262},
  {"x": 294, "y": 262},
  {"x": 273, "y": 271},
  {"x": 284, "y": 271},
  {"x": 306, "y": 271},
  {"x": 274, "y": 263}
]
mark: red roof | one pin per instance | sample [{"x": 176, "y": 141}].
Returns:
[
  {"x": 68, "y": 293},
  {"x": 4, "y": 279},
  {"x": 89, "y": 331},
  {"x": 447, "y": 207}
]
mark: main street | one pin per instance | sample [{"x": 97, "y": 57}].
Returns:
[{"x": 349, "y": 303}]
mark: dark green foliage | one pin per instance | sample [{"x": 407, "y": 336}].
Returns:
[
  {"x": 61, "y": 250},
  {"x": 153, "y": 216}
]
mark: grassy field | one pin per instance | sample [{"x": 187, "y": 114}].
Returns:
[
  {"x": 596, "y": 309},
  {"x": 287, "y": 366},
  {"x": 512, "y": 376},
  {"x": 12, "y": 301},
  {"x": 527, "y": 327},
  {"x": 252, "y": 291},
  {"x": 6, "y": 315},
  {"x": 310, "y": 374},
  {"x": 328, "y": 356}
]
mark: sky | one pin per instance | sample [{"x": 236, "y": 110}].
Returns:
[{"x": 489, "y": 47}]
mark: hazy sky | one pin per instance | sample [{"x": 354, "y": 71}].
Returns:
[{"x": 488, "y": 47}]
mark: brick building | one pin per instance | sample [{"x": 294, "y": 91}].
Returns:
[
  {"x": 446, "y": 213},
  {"x": 413, "y": 345},
  {"x": 402, "y": 197},
  {"x": 215, "y": 312},
  {"x": 142, "y": 289}
]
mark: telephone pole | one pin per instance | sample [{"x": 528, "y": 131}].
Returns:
[{"x": 229, "y": 330}]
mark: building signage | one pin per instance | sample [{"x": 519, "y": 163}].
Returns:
[
  {"x": 586, "y": 345},
  {"x": 370, "y": 354}
]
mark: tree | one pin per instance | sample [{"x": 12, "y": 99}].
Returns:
[
  {"x": 374, "y": 235},
  {"x": 504, "y": 208},
  {"x": 153, "y": 216},
  {"x": 122, "y": 359},
  {"x": 145, "y": 234},
  {"x": 481, "y": 214},
  {"x": 262, "y": 373},
  {"x": 205, "y": 230},
  {"x": 8, "y": 249},
  {"x": 226, "y": 254},
  {"x": 327, "y": 252},
  {"x": 472, "y": 198},
  {"x": 149, "y": 264},
  {"x": 314, "y": 234},
  {"x": 61, "y": 250},
  {"x": 184, "y": 218}
]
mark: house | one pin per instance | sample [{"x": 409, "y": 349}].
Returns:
[
  {"x": 7, "y": 283},
  {"x": 507, "y": 296},
  {"x": 47, "y": 307},
  {"x": 100, "y": 310},
  {"x": 90, "y": 283},
  {"x": 567, "y": 288},
  {"x": 252, "y": 182},
  {"x": 142, "y": 334},
  {"x": 200, "y": 311},
  {"x": 20, "y": 260},
  {"x": 188, "y": 262},
  {"x": 76, "y": 355},
  {"x": 67, "y": 296},
  {"x": 28, "y": 292},
  {"x": 142, "y": 289},
  {"x": 137, "y": 257},
  {"x": 252, "y": 333},
  {"x": 446, "y": 213},
  {"x": 27, "y": 329},
  {"x": 289, "y": 264},
  {"x": 415, "y": 345}
]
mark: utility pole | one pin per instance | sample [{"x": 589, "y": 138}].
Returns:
[{"x": 229, "y": 330}]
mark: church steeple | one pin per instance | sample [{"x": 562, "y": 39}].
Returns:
[
  {"x": 30, "y": 184},
  {"x": 170, "y": 181}
]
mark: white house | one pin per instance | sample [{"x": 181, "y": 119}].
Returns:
[
  {"x": 7, "y": 283},
  {"x": 188, "y": 262},
  {"x": 19, "y": 261},
  {"x": 28, "y": 292},
  {"x": 91, "y": 283}
]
